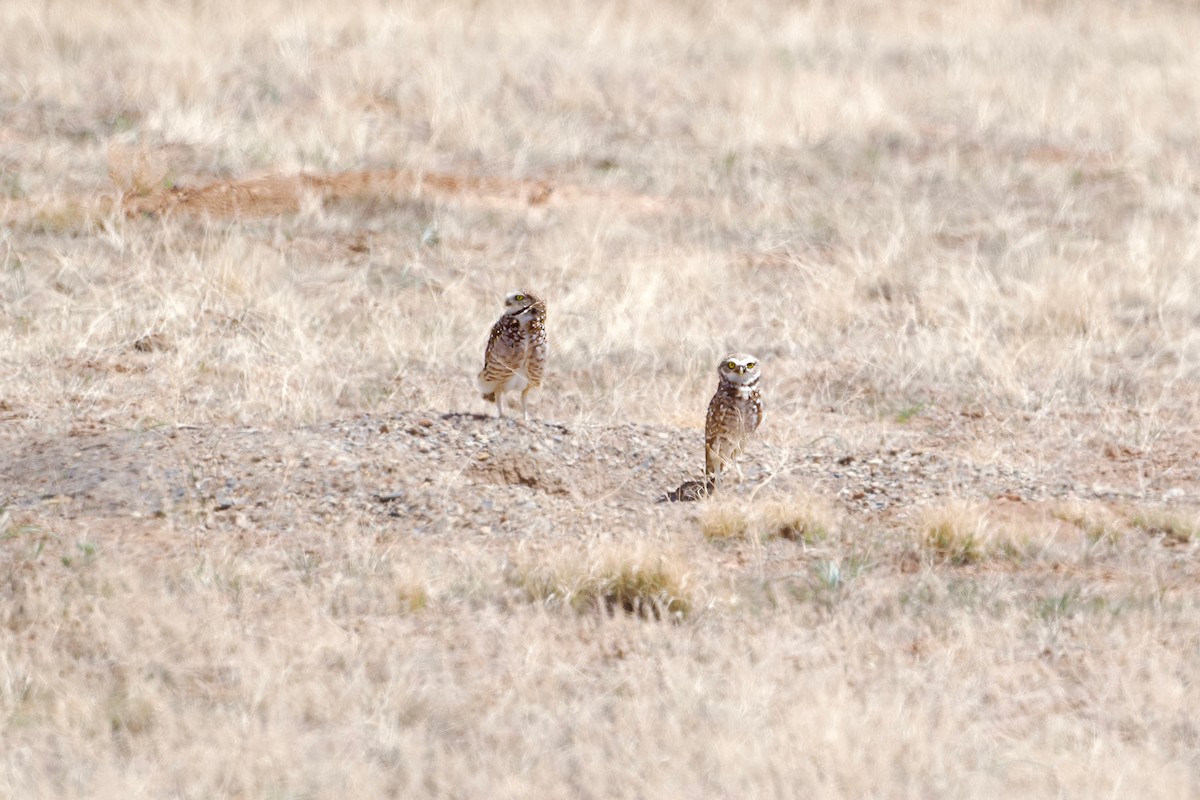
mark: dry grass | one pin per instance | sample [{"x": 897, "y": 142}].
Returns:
[
  {"x": 1175, "y": 526},
  {"x": 1099, "y": 522},
  {"x": 966, "y": 532},
  {"x": 958, "y": 532},
  {"x": 620, "y": 578},
  {"x": 965, "y": 227},
  {"x": 723, "y": 520},
  {"x": 160, "y": 665},
  {"x": 799, "y": 517},
  {"x": 887, "y": 224}
]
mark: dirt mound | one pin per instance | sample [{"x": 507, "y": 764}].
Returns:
[
  {"x": 113, "y": 474},
  {"x": 435, "y": 473},
  {"x": 516, "y": 466},
  {"x": 467, "y": 471}
]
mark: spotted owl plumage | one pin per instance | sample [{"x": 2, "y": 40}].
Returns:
[
  {"x": 734, "y": 413},
  {"x": 515, "y": 357}
]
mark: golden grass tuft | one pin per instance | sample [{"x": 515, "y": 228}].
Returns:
[
  {"x": 956, "y": 531},
  {"x": 723, "y": 519},
  {"x": 964, "y": 532},
  {"x": 798, "y": 517},
  {"x": 1097, "y": 521},
  {"x": 1173, "y": 526},
  {"x": 806, "y": 518},
  {"x": 961, "y": 531},
  {"x": 625, "y": 578}
]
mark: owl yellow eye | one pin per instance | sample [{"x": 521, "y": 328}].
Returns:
[
  {"x": 731, "y": 364},
  {"x": 520, "y": 297},
  {"x": 750, "y": 365}
]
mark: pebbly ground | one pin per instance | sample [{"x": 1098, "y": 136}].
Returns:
[{"x": 437, "y": 474}]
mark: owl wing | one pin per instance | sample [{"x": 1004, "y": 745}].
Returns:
[
  {"x": 536, "y": 364},
  {"x": 714, "y": 421},
  {"x": 504, "y": 351}
]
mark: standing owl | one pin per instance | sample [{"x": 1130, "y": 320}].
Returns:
[
  {"x": 734, "y": 413},
  {"x": 516, "y": 351}
]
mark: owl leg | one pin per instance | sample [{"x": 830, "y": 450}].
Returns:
[
  {"x": 525, "y": 401},
  {"x": 712, "y": 464},
  {"x": 499, "y": 403}
]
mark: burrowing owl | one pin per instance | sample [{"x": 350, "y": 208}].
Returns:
[
  {"x": 734, "y": 413},
  {"x": 516, "y": 350}
]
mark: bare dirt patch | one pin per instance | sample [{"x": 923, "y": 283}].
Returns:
[{"x": 270, "y": 195}]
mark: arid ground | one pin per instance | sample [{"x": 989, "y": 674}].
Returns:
[{"x": 261, "y": 538}]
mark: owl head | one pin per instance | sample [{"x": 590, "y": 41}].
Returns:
[
  {"x": 739, "y": 368},
  {"x": 518, "y": 300}
]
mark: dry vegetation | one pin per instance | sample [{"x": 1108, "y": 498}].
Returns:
[{"x": 248, "y": 257}]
